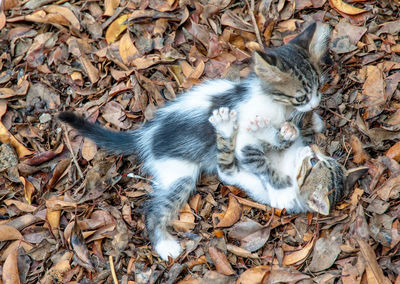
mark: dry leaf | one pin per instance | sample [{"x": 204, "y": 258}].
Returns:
[
  {"x": 8, "y": 233},
  {"x": 89, "y": 149},
  {"x": 232, "y": 214},
  {"x": 375, "y": 271},
  {"x": 110, "y": 6},
  {"x": 394, "y": 152},
  {"x": 357, "y": 149},
  {"x": 127, "y": 49},
  {"x": 28, "y": 189},
  {"x": 299, "y": 256},
  {"x": 253, "y": 275},
  {"x": 343, "y": 7},
  {"x": 220, "y": 261},
  {"x": 116, "y": 28},
  {"x": 10, "y": 269}
]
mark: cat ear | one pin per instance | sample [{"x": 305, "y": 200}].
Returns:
[
  {"x": 267, "y": 66},
  {"x": 352, "y": 176},
  {"x": 319, "y": 202},
  {"x": 315, "y": 39}
]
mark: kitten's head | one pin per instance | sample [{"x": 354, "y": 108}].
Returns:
[
  {"x": 322, "y": 180},
  {"x": 292, "y": 72}
]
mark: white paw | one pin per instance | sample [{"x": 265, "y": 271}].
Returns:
[
  {"x": 169, "y": 247},
  {"x": 289, "y": 131},
  {"x": 224, "y": 121},
  {"x": 305, "y": 152},
  {"x": 258, "y": 124}
]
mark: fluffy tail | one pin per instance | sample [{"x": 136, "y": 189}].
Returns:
[{"x": 115, "y": 142}]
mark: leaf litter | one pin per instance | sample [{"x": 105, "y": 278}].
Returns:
[{"x": 70, "y": 213}]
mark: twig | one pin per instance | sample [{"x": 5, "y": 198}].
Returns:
[
  {"x": 253, "y": 19},
  {"x": 337, "y": 114},
  {"x": 114, "y": 275},
  {"x": 72, "y": 152}
]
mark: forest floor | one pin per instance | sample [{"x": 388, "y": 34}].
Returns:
[{"x": 71, "y": 214}]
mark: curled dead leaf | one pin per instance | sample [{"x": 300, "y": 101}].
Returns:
[
  {"x": 232, "y": 214},
  {"x": 116, "y": 28},
  {"x": 299, "y": 256},
  {"x": 29, "y": 189},
  {"x": 343, "y": 7}
]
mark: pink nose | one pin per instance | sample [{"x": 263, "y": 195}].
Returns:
[{"x": 314, "y": 106}]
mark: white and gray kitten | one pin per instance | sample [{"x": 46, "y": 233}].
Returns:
[
  {"x": 296, "y": 177},
  {"x": 180, "y": 143}
]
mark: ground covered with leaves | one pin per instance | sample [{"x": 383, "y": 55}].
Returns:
[{"x": 70, "y": 213}]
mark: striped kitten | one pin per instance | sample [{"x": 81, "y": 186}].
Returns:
[
  {"x": 293, "y": 176},
  {"x": 180, "y": 143}
]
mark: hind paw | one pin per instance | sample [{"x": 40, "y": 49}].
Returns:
[
  {"x": 224, "y": 121},
  {"x": 168, "y": 247}
]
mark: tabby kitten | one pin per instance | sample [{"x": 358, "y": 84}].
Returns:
[
  {"x": 180, "y": 142},
  {"x": 293, "y": 176}
]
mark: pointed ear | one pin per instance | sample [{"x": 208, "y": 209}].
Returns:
[
  {"x": 319, "y": 202},
  {"x": 315, "y": 39},
  {"x": 353, "y": 175},
  {"x": 267, "y": 66}
]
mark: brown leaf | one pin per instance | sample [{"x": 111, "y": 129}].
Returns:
[
  {"x": 220, "y": 261},
  {"x": 374, "y": 86},
  {"x": 114, "y": 113},
  {"x": 116, "y": 28},
  {"x": 326, "y": 250},
  {"x": 394, "y": 152},
  {"x": 8, "y": 233},
  {"x": 79, "y": 247},
  {"x": 343, "y": 7},
  {"x": 110, "y": 6},
  {"x": 20, "y": 205},
  {"x": 28, "y": 189},
  {"x": 232, "y": 214},
  {"x": 370, "y": 258},
  {"x": 390, "y": 189},
  {"x": 253, "y": 275},
  {"x": 127, "y": 49},
  {"x": 389, "y": 28},
  {"x": 230, "y": 19},
  {"x": 357, "y": 149},
  {"x": 10, "y": 269},
  {"x": 66, "y": 13},
  {"x": 299, "y": 256},
  {"x": 89, "y": 149},
  {"x": 241, "y": 251},
  {"x": 283, "y": 275}
]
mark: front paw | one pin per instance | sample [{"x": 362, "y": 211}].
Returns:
[
  {"x": 289, "y": 131},
  {"x": 224, "y": 121}
]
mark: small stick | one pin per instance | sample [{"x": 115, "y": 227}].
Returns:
[
  {"x": 337, "y": 114},
  {"x": 72, "y": 152},
  {"x": 253, "y": 19},
  {"x": 114, "y": 275}
]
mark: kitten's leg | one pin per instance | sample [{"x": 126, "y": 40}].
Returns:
[
  {"x": 175, "y": 181},
  {"x": 224, "y": 122},
  {"x": 256, "y": 160}
]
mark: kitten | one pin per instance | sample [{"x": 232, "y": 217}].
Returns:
[
  {"x": 180, "y": 143},
  {"x": 307, "y": 180}
]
